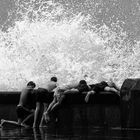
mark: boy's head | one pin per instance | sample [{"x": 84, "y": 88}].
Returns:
[
  {"x": 82, "y": 82},
  {"x": 31, "y": 84},
  {"x": 54, "y": 79}
]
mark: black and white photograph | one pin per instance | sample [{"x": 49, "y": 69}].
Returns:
[{"x": 70, "y": 69}]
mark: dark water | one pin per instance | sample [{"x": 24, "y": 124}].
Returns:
[{"x": 66, "y": 133}]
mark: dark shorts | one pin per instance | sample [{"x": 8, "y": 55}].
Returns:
[
  {"x": 22, "y": 113},
  {"x": 26, "y": 116},
  {"x": 42, "y": 95}
]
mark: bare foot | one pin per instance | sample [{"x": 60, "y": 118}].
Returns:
[{"x": 2, "y": 122}]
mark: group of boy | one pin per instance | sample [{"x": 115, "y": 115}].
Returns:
[{"x": 33, "y": 108}]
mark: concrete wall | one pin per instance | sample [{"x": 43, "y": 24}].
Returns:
[
  {"x": 104, "y": 108},
  {"x": 130, "y": 103},
  {"x": 8, "y": 102}
]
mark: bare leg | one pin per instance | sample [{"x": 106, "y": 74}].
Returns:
[
  {"x": 58, "y": 102},
  {"x": 28, "y": 121},
  {"x": 51, "y": 105},
  {"x": 38, "y": 114},
  {"x": 43, "y": 117},
  {"x": 46, "y": 113},
  {"x": 8, "y": 123}
]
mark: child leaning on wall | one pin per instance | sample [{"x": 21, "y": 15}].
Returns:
[
  {"x": 103, "y": 86},
  {"x": 60, "y": 93}
]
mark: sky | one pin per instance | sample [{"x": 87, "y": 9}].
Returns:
[{"x": 127, "y": 12}]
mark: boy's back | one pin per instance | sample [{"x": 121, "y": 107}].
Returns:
[{"x": 27, "y": 98}]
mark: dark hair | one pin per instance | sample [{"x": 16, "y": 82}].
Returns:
[
  {"x": 82, "y": 82},
  {"x": 31, "y": 83},
  {"x": 104, "y": 83},
  {"x": 54, "y": 79},
  {"x": 82, "y": 86}
]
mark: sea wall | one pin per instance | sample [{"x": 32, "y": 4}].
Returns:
[
  {"x": 8, "y": 102},
  {"x": 130, "y": 103},
  {"x": 102, "y": 109}
]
